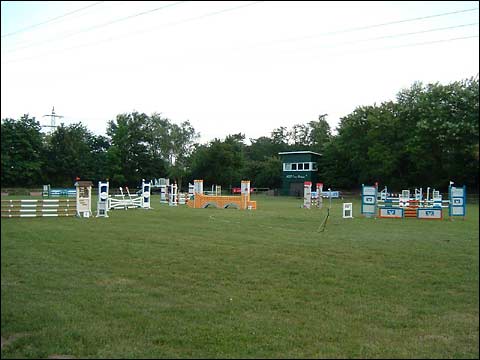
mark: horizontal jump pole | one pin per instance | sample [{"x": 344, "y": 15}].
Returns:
[
  {"x": 38, "y": 201},
  {"x": 45, "y": 206},
  {"x": 50, "y": 205},
  {"x": 36, "y": 215},
  {"x": 39, "y": 210}
]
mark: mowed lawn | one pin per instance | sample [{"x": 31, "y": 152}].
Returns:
[{"x": 211, "y": 283}]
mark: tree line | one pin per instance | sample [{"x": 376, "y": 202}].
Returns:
[{"x": 427, "y": 136}]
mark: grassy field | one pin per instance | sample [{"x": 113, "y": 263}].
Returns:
[{"x": 211, "y": 283}]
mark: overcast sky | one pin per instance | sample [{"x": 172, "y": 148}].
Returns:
[{"x": 226, "y": 66}]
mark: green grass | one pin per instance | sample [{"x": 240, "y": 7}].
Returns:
[{"x": 211, "y": 283}]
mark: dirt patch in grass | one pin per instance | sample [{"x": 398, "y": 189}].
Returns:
[
  {"x": 436, "y": 337},
  {"x": 114, "y": 282},
  {"x": 6, "y": 341}
]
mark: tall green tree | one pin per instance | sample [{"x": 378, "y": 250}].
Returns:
[
  {"x": 261, "y": 148},
  {"x": 146, "y": 147},
  {"x": 98, "y": 167},
  {"x": 22, "y": 152},
  {"x": 128, "y": 156},
  {"x": 220, "y": 162},
  {"x": 263, "y": 166},
  {"x": 443, "y": 123},
  {"x": 266, "y": 173},
  {"x": 173, "y": 144},
  {"x": 352, "y": 146},
  {"x": 281, "y": 136},
  {"x": 313, "y": 135},
  {"x": 320, "y": 134},
  {"x": 428, "y": 137},
  {"x": 300, "y": 136},
  {"x": 70, "y": 153}
]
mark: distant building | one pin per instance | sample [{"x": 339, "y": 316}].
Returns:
[{"x": 298, "y": 167}]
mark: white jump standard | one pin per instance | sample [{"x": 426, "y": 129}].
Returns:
[
  {"x": 347, "y": 210},
  {"x": 102, "y": 203}
]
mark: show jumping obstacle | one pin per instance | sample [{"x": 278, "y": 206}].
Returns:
[
  {"x": 106, "y": 202},
  {"x": 24, "y": 208},
  {"x": 315, "y": 198},
  {"x": 60, "y": 192},
  {"x": 240, "y": 202},
  {"x": 403, "y": 205}
]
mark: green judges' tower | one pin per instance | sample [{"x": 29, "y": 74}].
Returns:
[{"x": 298, "y": 167}]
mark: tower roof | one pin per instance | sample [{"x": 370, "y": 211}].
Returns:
[{"x": 298, "y": 152}]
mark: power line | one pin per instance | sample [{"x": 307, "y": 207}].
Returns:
[
  {"x": 421, "y": 32},
  {"x": 395, "y": 35},
  {"x": 97, "y": 26},
  {"x": 428, "y": 42},
  {"x": 157, "y": 27},
  {"x": 138, "y": 32},
  {"x": 346, "y": 30},
  {"x": 195, "y": 18},
  {"x": 366, "y": 27},
  {"x": 386, "y": 48},
  {"x": 408, "y": 45},
  {"x": 48, "y": 21}
]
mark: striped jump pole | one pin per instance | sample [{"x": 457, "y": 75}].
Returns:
[
  {"x": 81, "y": 206},
  {"x": 38, "y": 208}
]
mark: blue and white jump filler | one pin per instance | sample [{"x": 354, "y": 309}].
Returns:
[
  {"x": 369, "y": 200},
  {"x": 458, "y": 200},
  {"x": 413, "y": 205}
]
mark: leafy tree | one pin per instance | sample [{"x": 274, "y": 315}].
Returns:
[
  {"x": 182, "y": 146},
  {"x": 114, "y": 165},
  {"x": 443, "y": 139},
  {"x": 172, "y": 144},
  {"x": 335, "y": 166},
  {"x": 263, "y": 148},
  {"x": 99, "y": 146},
  {"x": 265, "y": 173},
  {"x": 70, "y": 153},
  {"x": 149, "y": 147},
  {"x": 319, "y": 134},
  {"x": 353, "y": 145},
  {"x": 220, "y": 162},
  {"x": 428, "y": 136},
  {"x": 22, "y": 151},
  {"x": 300, "y": 136},
  {"x": 129, "y": 158},
  {"x": 281, "y": 136}
]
